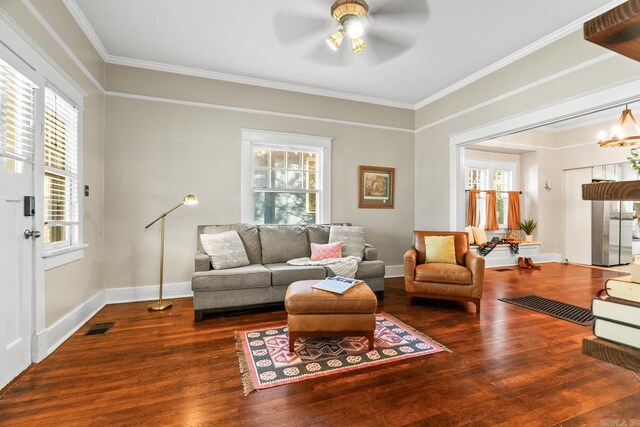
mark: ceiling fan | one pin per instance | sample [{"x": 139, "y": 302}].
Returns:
[{"x": 388, "y": 26}]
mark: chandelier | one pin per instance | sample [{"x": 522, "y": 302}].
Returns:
[{"x": 619, "y": 137}]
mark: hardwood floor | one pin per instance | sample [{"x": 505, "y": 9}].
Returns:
[{"x": 510, "y": 366}]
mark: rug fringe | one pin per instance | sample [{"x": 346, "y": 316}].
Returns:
[
  {"x": 247, "y": 382},
  {"x": 417, "y": 332}
]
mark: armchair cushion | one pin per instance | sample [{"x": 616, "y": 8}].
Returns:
[
  {"x": 440, "y": 249},
  {"x": 443, "y": 273},
  {"x": 461, "y": 240}
]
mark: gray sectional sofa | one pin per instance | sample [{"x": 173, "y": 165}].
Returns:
[{"x": 265, "y": 281}]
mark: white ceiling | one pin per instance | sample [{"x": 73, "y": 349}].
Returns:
[{"x": 251, "y": 39}]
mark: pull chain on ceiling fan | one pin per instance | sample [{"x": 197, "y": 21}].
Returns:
[{"x": 349, "y": 14}]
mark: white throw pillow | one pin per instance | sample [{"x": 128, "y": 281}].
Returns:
[
  {"x": 479, "y": 235},
  {"x": 469, "y": 231},
  {"x": 225, "y": 250},
  {"x": 352, "y": 239}
]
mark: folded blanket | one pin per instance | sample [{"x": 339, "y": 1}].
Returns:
[{"x": 345, "y": 267}]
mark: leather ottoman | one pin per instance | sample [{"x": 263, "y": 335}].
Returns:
[{"x": 317, "y": 313}]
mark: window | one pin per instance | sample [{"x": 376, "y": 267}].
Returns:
[
  {"x": 499, "y": 176},
  {"x": 17, "y": 140},
  {"x": 288, "y": 178},
  {"x": 61, "y": 212}
]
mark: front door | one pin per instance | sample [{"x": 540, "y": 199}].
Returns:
[{"x": 17, "y": 136}]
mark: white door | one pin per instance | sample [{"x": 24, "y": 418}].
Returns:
[
  {"x": 577, "y": 238},
  {"x": 16, "y": 252}
]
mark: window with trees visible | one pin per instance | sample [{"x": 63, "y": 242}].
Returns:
[
  {"x": 289, "y": 178},
  {"x": 285, "y": 189},
  {"x": 489, "y": 176}
]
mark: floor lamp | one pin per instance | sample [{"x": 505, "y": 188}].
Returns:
[{"x": 189, "y": 200}]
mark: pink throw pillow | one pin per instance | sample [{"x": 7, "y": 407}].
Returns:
[{"x": 330, "y": 250}]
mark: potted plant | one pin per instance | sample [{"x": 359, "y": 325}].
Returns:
[{"x": 528, "y": 225}]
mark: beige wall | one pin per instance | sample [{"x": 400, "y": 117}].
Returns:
[
  {"x": 68, "y": 286},
  {"x": 156, "y": 152}
]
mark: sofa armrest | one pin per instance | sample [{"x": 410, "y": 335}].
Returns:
[
  {"x": 202, "y": 261},
  {"x": 410, "y": 262},
  {"x": 370, "y": 253},
  {"x": 475, "y": 264}
]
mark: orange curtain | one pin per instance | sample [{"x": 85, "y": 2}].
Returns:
[
  {"x": 514, "y": 211},
  {"x": 492, "y": 213},
  {"x": 473, "y": 219}
]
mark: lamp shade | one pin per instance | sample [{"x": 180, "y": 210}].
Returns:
[{"x": 190, "y": 199}]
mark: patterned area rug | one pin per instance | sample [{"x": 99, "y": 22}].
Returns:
[{"x": 265, "y": 360}]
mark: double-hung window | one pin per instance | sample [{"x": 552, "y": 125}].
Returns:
[
  {"x": 286, "y": 178},
  {"x": 61, "y": 185},
  {"x": 499, "y": 176}
]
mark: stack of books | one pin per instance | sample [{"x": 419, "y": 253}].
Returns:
[{"x": 616, "y": 312}]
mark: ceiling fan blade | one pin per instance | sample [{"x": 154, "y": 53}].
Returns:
[
  {"x": 405, "y": 10},
  {"x": 321, "y": 54},
  {"x": 294, "y": 28},
  {"x": 382, "y": 48}
]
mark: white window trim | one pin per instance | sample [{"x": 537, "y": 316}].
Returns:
[
  {"x": 492, "y": 165},
  {"x": 57, "y": 255},
  {"x": 250, "y": 137}
]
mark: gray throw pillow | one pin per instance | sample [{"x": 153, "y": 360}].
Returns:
[
  {"x": 352, "y": 239},
  {"x": 225, "y": 250}
]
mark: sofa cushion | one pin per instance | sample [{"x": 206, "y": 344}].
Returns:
[
  {"x": 285, "y": 274},
  {"x": 251, "y": 276},
  {"x": 443, "y": 273},
  {"x": 328, "y": 251},
  {"x": 318, "y": 234},
  {"x": 225, "y": 250},
  {"x": 370, "y": 269},
  {"x": 248, "y": 234},
  {"x": 479, "y": 235},
  {"x": 281, "y": 243},
  {"x": 352, "y": 239}
]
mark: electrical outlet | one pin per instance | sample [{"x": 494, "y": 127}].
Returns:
[{"x": 86, "y": 191}]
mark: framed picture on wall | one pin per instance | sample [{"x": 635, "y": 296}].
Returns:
[{"x": 376, "y": 187}]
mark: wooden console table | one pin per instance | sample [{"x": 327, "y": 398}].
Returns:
[
  {"x": 610, "y": 352},
  {"x": 622, "y": 190}
]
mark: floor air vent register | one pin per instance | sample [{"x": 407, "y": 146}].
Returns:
[
  {"x": 561, "y": 310},
  {"x": 99, "y": 329}
]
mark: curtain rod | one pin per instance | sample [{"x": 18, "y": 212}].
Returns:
[{"x": 484, "y": 191}]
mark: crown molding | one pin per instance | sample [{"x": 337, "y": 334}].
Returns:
[
  {"x": 83, "y": 22},
  {"x": 41, "y": 19},
  {"x": 232, "y": 78},
  {"x": 527, "y": 50}
]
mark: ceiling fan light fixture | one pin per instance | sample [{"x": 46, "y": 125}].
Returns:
[
  {"x": 618, "y": 136},
  {"x": 358, "y": 45},
  {"x": 335, "y": 40}
]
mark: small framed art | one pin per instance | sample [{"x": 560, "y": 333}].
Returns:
[{"x": 376, "y": 187}]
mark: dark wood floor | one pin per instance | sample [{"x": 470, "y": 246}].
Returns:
[{"x": 510, "y": 366}]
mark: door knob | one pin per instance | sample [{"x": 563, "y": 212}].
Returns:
[{"x": 32, "y": 233}]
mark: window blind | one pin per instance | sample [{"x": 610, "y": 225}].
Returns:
[
  {"x": 60, "y": 168},
  {"x": 17, "y": 139}
]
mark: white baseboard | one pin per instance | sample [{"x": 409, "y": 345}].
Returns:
[
  {"x": 52, "y": 337},
  {"x": 147, "y": 293},
  {"x": 393, "y": 271}
]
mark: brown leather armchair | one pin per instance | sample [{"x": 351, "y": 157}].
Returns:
[{"x": 462, "y": 281}]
